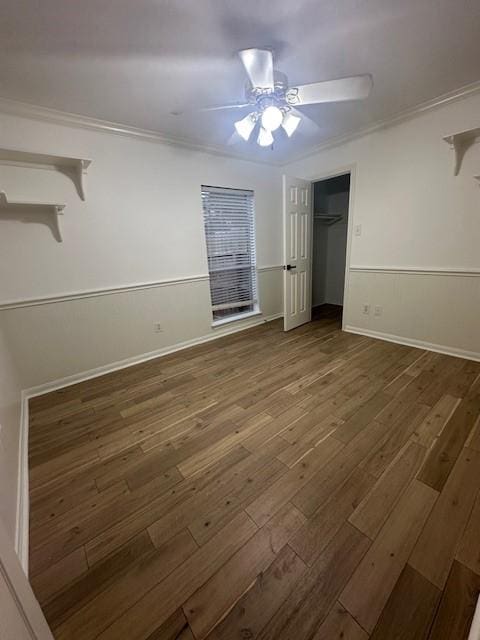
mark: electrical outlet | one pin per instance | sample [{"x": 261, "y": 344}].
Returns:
[
  {"x": 157, "y": 327},
  {"x": 366, "y": 309},
  {"x": 358, "y": 229},
  {"x": 378, "y": 310}
]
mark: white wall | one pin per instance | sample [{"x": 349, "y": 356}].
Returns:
[
  {"x": 141, "y": 223},
  {"x": 416, "y": 217},
  {"x": 329, "y": 252},
  {"x": 9, "y": 439}
]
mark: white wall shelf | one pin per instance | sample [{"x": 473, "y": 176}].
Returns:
[
  {"x": 21, "y": 208},
  {"x": 460, "y": 142},
  {"x": 327, "y": 218},
  {"x": 74, "y": 168}
]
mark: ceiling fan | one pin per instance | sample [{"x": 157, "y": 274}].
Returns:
[{"x": 274, "y": 103}]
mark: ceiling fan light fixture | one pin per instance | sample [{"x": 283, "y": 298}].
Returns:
[
  {"x": 245, "y": 126},
  {"x": 271, "y": 118},
  {"x": 265, "y": 138},
  {"x": 290, "y": 123}
]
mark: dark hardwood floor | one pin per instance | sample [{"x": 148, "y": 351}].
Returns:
[{"x": 309, "y": 485}]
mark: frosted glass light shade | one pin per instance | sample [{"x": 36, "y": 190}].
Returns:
[
  {"x": 271, "y": 118},
  {"x": 265, "y": 138},
  {"x": 245, "y": 126},
  {"x": 290, "y": 123}
]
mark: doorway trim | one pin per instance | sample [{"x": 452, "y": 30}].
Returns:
[{"x": 334, "y": 173}]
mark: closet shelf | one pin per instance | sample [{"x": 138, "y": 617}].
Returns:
[
  {"x": 327, "y": 219},
  {"x": 460, "y": 142},
  {"x": 21, "y": 206},
  {"x": 74, "y": 168}
]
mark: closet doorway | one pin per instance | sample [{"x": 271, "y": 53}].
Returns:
[{"x": 329, "y": 239}]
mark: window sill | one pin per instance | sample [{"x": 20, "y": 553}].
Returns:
[{"x": 236, "y": 318}]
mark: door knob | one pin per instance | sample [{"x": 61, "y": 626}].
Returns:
[{"x": 289, "y": 267}]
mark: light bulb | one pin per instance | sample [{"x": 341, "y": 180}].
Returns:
[
  {"x": 245, "y": 126},
  {"x": 271, "y": 118},
  {"x": 265, "y": 138},
  {"x": 290, "y": 123}
]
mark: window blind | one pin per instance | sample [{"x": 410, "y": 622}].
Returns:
[{"x": 230, "y": 234}]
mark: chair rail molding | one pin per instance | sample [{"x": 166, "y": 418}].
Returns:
[
  {"x": 106, "y": 291},
  {"x": 413, "y": 270}
]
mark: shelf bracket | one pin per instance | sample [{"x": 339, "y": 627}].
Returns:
[
  {"x": 80, "y": 173},
  {"x": 19, "y": 209},
  {"x": 58, "y": 209},
  {"x": 460, "y": 143},
  {"x": 74, "y": 168}
]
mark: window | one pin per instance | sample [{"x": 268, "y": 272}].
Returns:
[{"x": 230, "y": 233}]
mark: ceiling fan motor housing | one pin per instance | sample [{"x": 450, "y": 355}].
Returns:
[{"x": 265, "y": 97}]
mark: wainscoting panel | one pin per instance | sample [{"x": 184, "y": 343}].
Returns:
[
  {"x": 57, "y": 339},
  {"x": 431, "y": 308}
]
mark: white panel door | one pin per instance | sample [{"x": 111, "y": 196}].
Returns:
[{"x": 297, "y": 232}]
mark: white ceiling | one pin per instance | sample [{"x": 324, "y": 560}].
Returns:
[{"x": 136, "y": 61}]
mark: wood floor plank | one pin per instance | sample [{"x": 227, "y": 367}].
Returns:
[
  {"x": 102, "y": 610},
  {"x": 457, "y": 605},
  {"x": 468, "y": 552},
  {"x": 339, "y": 625},
  {"x": 315, "y": 593},
  {"x": 211, "y": 500},
  {"x": 92, "y": 582},
  {"x": 143, "y": 617},
  {"x": 214, "y": 599},
  {"x": 305, "y": 443},
  {"x": 161, "y": 505},
  {"x": 215, "y": 518},
  {"x": 174, "y": 628},
  {"x": 59, "y": 575},
  {"x": 317, "y": 490},
  {"x": 256, "y": 607},
  {"x": 374, "y": 579},
  {"x": 271, "y": 500},
  {"x": 434, "y": 552},
  {"x": 427, "y": 432},
  {"x": 410, "y": 609},
  {"x": 362, "y": 417},
  {"x": 374, "y": 509},
  {"x": 400, "y": 433},
  {"x": 325, "y": 523},
  {"x": 447, "y": 447}
]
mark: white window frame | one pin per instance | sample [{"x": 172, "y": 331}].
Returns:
[{"x": 241, "y": 261}]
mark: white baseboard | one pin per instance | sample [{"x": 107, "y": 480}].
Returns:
[
  {"x": 23, "y": 498},
  {"x": 60, "y": 383},
  {"x": 412, "y": 342}
]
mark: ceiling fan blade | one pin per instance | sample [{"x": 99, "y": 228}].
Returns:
[
  {"x": 258, "y": 64},
  {"x": 354, "y": 88},
  {"x": 214, "y": 107}
]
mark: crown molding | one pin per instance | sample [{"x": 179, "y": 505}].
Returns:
[
  {"x": 408, "y": 114},
  {"x": 46, "y": 114}
]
